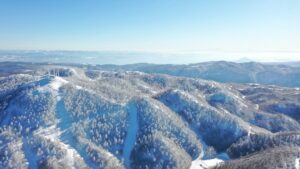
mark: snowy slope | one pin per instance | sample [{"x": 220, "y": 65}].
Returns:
[
  {"x": 68, "y": 117},
  {"x": 206, "y": 164}
]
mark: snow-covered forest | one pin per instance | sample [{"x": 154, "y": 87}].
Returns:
[{"x": 77, "y": 116}]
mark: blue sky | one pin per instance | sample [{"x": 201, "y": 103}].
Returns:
[{"x": 239, "y": 28}]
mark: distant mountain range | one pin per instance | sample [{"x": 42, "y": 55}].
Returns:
[
  {"x": 139, "y": 116},
  {"x": 285, "y": 74},
  {"x": 281, "y": 74}
]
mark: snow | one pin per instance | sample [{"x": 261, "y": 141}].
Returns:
[
  {"x": 59, "y": 132},
  {"x": 50, "y": 133},
  {"x": 30, "y": 156},
  {"x": 212, "y": 162},
  {"x": 249, "y": 132},
  {"x": 193, "y": 99},
  {"x": 104, "y": 98},
  {"x": 73, "y": 71},
  {"x": 205, "y": 164},
  {"x": 78, "y": 87},
  {"x": 51, "y": 84},
  {"x": 256, "y": 106},
  {"x": 297, "y": 163},
  {"x": 223, "y": 156},
  {"x": 239, "y": 100},
  {"x": 147, "y": 88},
  {"x": 57, "y": 82},
  {"x": 131, "y": 135},
  {"x": 54, "y": 132}
]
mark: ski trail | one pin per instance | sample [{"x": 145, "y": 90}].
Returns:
[
  {"x": 64, "y": 123},
  {"x": 54, "y": 132},
  {"x": 131, "y": 134},
  {"x": 32, "y": 158}
]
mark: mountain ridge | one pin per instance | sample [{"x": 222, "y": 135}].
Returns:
[{"x": 57, "y": 116}]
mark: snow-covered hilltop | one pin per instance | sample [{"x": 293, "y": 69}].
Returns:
[{"x": 63, "y": 116}]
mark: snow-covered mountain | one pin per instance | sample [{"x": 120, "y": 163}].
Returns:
[{"x": 64, "y": 116}]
